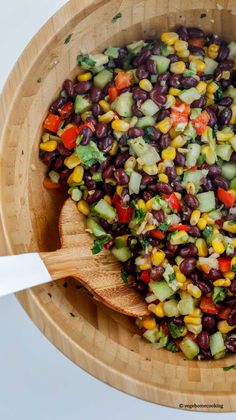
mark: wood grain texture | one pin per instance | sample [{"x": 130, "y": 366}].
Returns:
[{"x": 99, "y": 340}]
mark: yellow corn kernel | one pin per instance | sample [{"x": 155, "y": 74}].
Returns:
[
  {"x": 232, "y": 191},
  {"x": 83, "y": 207},
  {"x": 172, "y": 132},
  {"x": 180, "y": 277},
  {"x": 149, "y": 323},
  {"x": 84, "y": 77},
  {"x": 190, "y": 188},
  {"x": 119, "y": 190},
  {"x": 178, "y": 67},
  {"x": 201, "y": 87},
  {"x": 183, "y": 286},
  {"x": 85, "y": 194},
  {"x": 212, "y": 87},
  {"x": 183, "y": 54},
  {"x": 169, "y": 37},
  {"x": 159, "y": 311},
  {"x": 212, "y": 51},
  {"x": 218, "y": 246},
  {"x": 72, "y": 161},
  {"x": 224, "y": 327},
  {"x": 225, "y": 75},
  {"x": 170, "y": 101},
  {"x": 174, "y": 91},
  {"x": 208, "y": 219},
  {"x": 195, "y": 216},
  {"x": 229, "y": 227},
  {"x": 164, "y": 125},
  {"x": 168, "y": 153},
  {"x": 202, "y": 223},
  {"x": 224, "y": 136},
  {"x": 161, "y": 167},
  {"x": 194, "y": 290},
  {"x": 120, "y": 125},
  {"x": 163, "y": 178},
  {"x": 145, "y": 266},
  {"x": 178, "y": 141},
  {"x": 146, "y": 85},
  {"x": 107, "y": 117},
  {"x": 230, "y": 275},
  {"x": 141, "y": 204},
  {"x": 85, "y": 115},
  {"x": 179, "y": 170},
  {"x": 234, "y": 242},
  {"x": 130, "y": 162},
  {"x": 107, "y": 198},
  {"x": 209, "y": 100},
  {"x": 150, "y": 169},
  {"x": 197, "y": 313},
  {"x": 215, "y": 231},
  {"x": 201, "y": 247},
  {"x": 209, "y": 154},
  {"x": 192, "y": 320},
  {"x": 49, "y": 146},
  {"x": 233, "y": 262},
  {"x": 104, "y": 105},
  {"x": 76, "y": 176},
  {"x": 200, "y": 65},
  {"x": 158, "y": 257},
  {"x": 185, "y": 331},
  {"x": 114, "y": 148},
  {"x": 222, "y": 282},
  {"x": 149, "y": 226},
  {"x": 181, "y": 45},
  {"x": 149, "y": 204}
]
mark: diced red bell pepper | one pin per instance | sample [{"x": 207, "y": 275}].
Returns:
[
  {"x": 207, "y": 305},
  {"x": 196, "y": 42},
  {"x": 186, "y": 228},
  {"x": 205, "y": 268},
  {"x": 124, "y": 214},
  {"x": 69, "y": 137},
  {"x": 52, "y": 123},
  {"x": 66, "y": 110},
  {"x": 49, "y": 185},
  {"x": 116, "y": 199},
  {"x": 225, "y": 197},
  {"x": 200, "y": 122},
  {"x": 224, "y": 264},
  {"x": 174, "y": 202},
  {"x": 145, "y": 276},
  {"x": 223, "y": 314},
  {"x": 156, "y": 233},
  {"x": 123, "y": 80},
  {"x": 113, "y": 93},
  {"x": 219, "y": 223},
  {"x": 179, "y": 114},
  {"x": 193, "y": 168}
]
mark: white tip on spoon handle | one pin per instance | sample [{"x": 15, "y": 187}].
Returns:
[{"x": 19, "y": 272}]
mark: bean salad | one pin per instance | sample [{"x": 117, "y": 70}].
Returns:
[{"x": 144, "y": 141}]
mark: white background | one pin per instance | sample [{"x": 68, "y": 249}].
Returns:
[{"x": 37, "y": 382}]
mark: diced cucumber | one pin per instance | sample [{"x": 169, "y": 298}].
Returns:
[
  {"x": 82, "y": 104},
  {"x": 195, "y": 112},
  {"x": 100, "y": 59},
  {"x": 224, "y": 151},
  {"x": 138, "y": 146},
  {"x": 124, "y": 104},
  {"x": 149, "y": 108},
  {"x": 136, "y": 46},
  {"x": 105, "y": 210},
  {"x": 89, "y": 61},
  {"x": 170, "y": 308},
  {"x": 189, "y": 95},
  {"x": 216, "y": 343},
  {"x": 151, "y": 335},
  {"x": 186, "y": 305},
  {"x": 195, "y": 329},
  {"x": 215, "y": 214},
  {"x": 121, "y": 241},
  {"x": 229, "y": 171},
  {"x": 189, "y": 348},
  {"x": 145, "y": 122},
  {"x": 101, "y": 79},
  {"x": 195, "y": 177},
  {"x": 135, "y": 182},
  {"x": 190, "y": 131},
  {"x": 95, "y": 228},
  {"x": 220, "y": 355},
  {"x": 162, "y": 63},
  {"x": 232, "y": 141},
  {"x": 193, "y": 154},
  {"x": 169, "y": 276},
  {"x": 151, "y": 156},
  {"x": 121, "y": 254},
  {"x": 161, "y": 290},
  {"x": 233, "y": 183},
  {"x": 210, "y": 65},
  {"x": 207, "y": 201},
  {"x": 97, "y": 176},
  {"x": 76, "y": 194},
  {"x": 112, "y": 52}
]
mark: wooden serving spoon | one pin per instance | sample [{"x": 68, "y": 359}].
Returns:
[{"x": 100, "y": 273}]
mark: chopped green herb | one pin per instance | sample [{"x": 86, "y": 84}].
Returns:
[
  {"x": 79, "y": 139},
  {"x": 148, "y": 134},
  {"x": 124, "y": 275},
  {"x": 172, "y": 277},
  {"x": 164, "y": 49},
  {"x": 61, "y": 125},
  {"x": 68, "y": 38},
  {"x": 143, "y": 242},
  {"x": 89, "y": 154},
  {"x": 219, "y": 94},
  {"x": 99, "y": 243},
  {"x": 86, "y": 61},
  {"x": 116, "y": 17},
  {"x": 219, "y": 294},
  {"x": 175, "y": 330},
  {"x": 163, "y": 226},
  {"x": 138, "y": 216},
  {"x": 207, "y": 234},
  {"x": 172, "y": 347},
  {"x": 226, "y": 368},
  {"x": 201, "y": 160},
  {"x": 234, "y": 268}
]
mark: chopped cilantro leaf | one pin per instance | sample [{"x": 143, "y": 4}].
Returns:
[
  {"x": 172, "y": 347},
  {"x": 163, "y": 226},
  {"x": 116, "y": 17},
  {"x": 148, "y": 134},
  {"x": 89, "y": 154},
  {"x": 68, "y": 38},
  {"x": 201, "y": 160},
  {"x": 98, "y": 244},
  {"x": 79, "y": 139},
  {"x": 226, "y": 368},
  {"x": 219, "y": 94},
  {"x": 176, "y": 331},
  {"x": 172, "y": 277},
  {"x": 86, "y": 61},
  {"x": 164, "y": 49},
  {"x": 219, "y": 294},
  {"x": 143, "y": 242},
  {"x": 234, "y": 268},
  {"x": 124, "y": 275},
  {"x": 138, "y": 216}
]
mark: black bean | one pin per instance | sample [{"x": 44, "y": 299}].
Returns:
[
  {"x": 189, "y": 251},
  {"x": 183, "y": 33},
  {"x": 203, "y": 340},
  {"x": 178, "y": 187},
  {"x": 175, "y": 80},
  {"x": 58, "y": 163},
  {"x": 156, "y": 49},
  {"x": 207, "y": 184},
  {"x": 214, "y": 274},
  {"x": 199, "y": 103},
  {"x": 153, "y": 241},
  {"x": 136, "y": 111},
  {"x": 153, "y": 133},
  {"x": 76, "y": 119},
  {"x": 157, "y": 97},
  {"x": 108, "y": 172},
  {"x": 224, "y": 116},
  {"x": 195, "y": 32},
  {"x": 164, "y": 141},
  {"x": 186, "y": 213},
  {"x": 205, "y": 354},
  {"x": 213, "y": 119},
  {"x": 177, "y": 320},
  {"x": 101, "y": 130},
  {"x": 121, "y": 176},
  {"x": 164, "y": 188},
  {"x": 146, "y": 179},
  {"x": 159, "y": 215},
  {"x": 95, "y": 94},
  {"x": 214, "y": 170},
  {"x": 96, "y": 196},
  {"x": 82, "y": 87},
  {"x": 106, "y": 143},
  {"x": 173, "y": 58},
  {"x": 156, "y": 273},
  {"x": 108, "y": 188},
  {"x": 133, "y": 243},
  {"x": 69, "y": 88},
  {"x": 96, "y": 110},
  {"x": 141, "y": 287},
  {"x": 129, "y": 265},
  {"x": 91, "y": 118},
  {"x": 58, "y": 103},
  {"x": 120, "y": 159},
  {"x": 205, "y": 76},
  {"x": 208, "y": 322},
  {"x": 230, "y": 301},
  {"x": 141, "y": 72},
  {"x": 230, "y": 344},
  {"x": 163, "y": 113},
  {"x": 120, "y": 229},
  {"x": 195, "y": 231},
  {"x": 171, "y": 172},
  {"x": 87, "y": 135},
  {"x": 223, "y": 53},
  {"x": 196, "y": 50},
  {"x": 147, "y": 195},
  {"x": 227, "y": 101},
  {"x": 107, "y": 162},
  {"x": 233, "y": 157},
  {"x": 63, "y": 150},
  {"x": 48, "y": 158},
  {"x": 151, "y": 66},
  {"x": 188, "y": 82},
  {"x": 64, "y": 175},
  {"x": 141, "y": 57},
  {"x": 231, "y": 318},
  {"x": 135, "y": 132},
  {"x": 89, "y": 182},
  {"x": 191, "y": 201},
  {"x": 163, "y": 77},
  {"x": 221, "y": 182},
  {"x": 232, "y": 287},
  {"x": 172, "y": 248},
  {"x": 179, "y": 159},
  {"x": 226, "y": 65}
]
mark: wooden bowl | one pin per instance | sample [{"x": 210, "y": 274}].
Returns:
[{"x": 100, "y": 341}]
